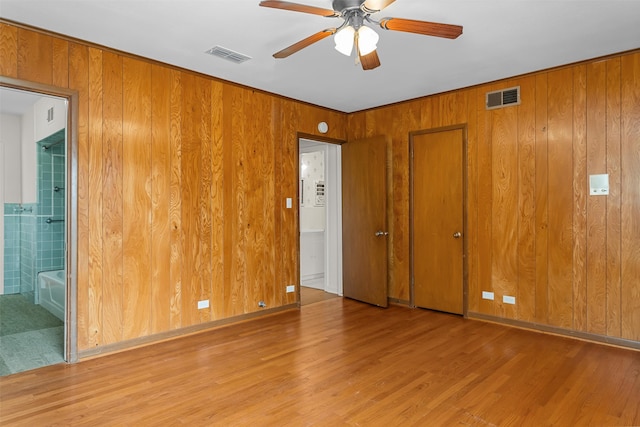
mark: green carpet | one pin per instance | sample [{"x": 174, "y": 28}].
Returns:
[{"x": 18, "y": 315}]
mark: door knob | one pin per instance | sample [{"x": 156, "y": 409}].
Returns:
[
  {"x": 457, "y": 235},
  {"x": 382, "y": 233}
]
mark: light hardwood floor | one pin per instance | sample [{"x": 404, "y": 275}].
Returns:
[
  {"x": 339, "y": 362},
  {"x": 311, "y": 295}
]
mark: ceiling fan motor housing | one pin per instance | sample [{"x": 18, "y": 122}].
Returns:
[{"x": 344, "y": 5}]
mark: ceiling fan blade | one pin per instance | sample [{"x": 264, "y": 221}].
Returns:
[
  {"x": 370, "y": 61},
  {"x": 421, "y": 27},
  {"x": 299, "y": 8},
  {"x": 373, "y": 6},
  {"x": 304, "y": 43}
]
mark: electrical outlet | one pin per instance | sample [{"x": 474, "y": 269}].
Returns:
[
  {"x": 487, "y": 295},
  {"x": 203, "y": 304},
  {"x": 291, "y": 288},
  {"x": 508, "y": 299}
]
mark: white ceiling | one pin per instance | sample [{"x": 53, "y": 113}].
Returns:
[
  {"x": 16, "y": 102},
  {"x": 501, "y": 38}
]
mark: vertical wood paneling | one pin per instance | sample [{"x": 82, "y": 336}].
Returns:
[
  {"x": 160, "y": 238},
  {"x": 473, "y": 302},
  {"x": 217, "y": 200},
  {"x": 426, "y": 112},
  {"x": 526, "y": 301},
  {"x": 95, "y": 304},
  {"x": 196, "y": 171},
  {"x": 613, "y": 199},
  {"x": 238, "y": 204},
  {"x": 560, "y": 197},
  {"x": 290, "y": 224},
  {"x": 596, "y": 224},
  {"x": 195, "y": 236},
  {"x": 254, "y": 202},
  {"x": 542, "y": 202},
  {"x": 504, "y": 206},
  {"x": 580, "y": 198},
  {"x": 60, "y": 72},
  {"x": 630, "y": 196},
  {"x": 136, "y": 198},
  {"x": 203, "y": 266},
  {"x": 112, "y": 244},
  {"x": 190, "y": 162},
  {"x": 370, "y": 123},
  {"x": 485, "y": 193},
  {"x": 35, "y": 56},
  {"x": 401, "y": 120},
  {"x": 306, "y": 119},
  {"x": 435, "y": 113},
  {"x": 8, "y": 50},
  {"x": 192, "y": 175},
  {"x": 259, "y": 203},
  {"x": 406, "y": 120},
  {"x": 268, "y": 171},
  {"x": 227, "y": 193},
  {"x": 175, "y": 201},
  {"x": 79, "y": 81},
  {"x": 234, "y": 207},
  {"x": 356, "y": 124},
  {"x": 279, "y": 205}
]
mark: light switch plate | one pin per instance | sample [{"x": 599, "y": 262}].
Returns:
[{"x": 289, "y": 202}]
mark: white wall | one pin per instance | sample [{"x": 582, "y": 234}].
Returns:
[
  {"x": 29, "y": 160},
  {"x": 11, "y": 139},
  {"x": 312, "y": 217},
  {"x": 312, "y": 214}
]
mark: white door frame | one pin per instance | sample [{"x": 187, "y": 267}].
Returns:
[{"x": 333, "y": 206}]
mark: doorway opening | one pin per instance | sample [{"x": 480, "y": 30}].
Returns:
[
  {"x": 320, "y": 207},
  {"x": 36, "y": 313}
]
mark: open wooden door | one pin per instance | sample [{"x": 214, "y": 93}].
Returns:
[
  {"x": 364, "y": 220},
  {"x": 437, "y": 213}
]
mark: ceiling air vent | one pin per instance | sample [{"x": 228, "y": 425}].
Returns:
[
  {"x": 503, "y": 98},
  {"x": 228, "y": 54}
]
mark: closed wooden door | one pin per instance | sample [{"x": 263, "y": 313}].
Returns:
[
  {"x": 437, "y": 219},
  {"x": 364, "y": 220}
]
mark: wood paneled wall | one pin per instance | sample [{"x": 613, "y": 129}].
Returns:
[
  {"x": 182, "y": 181},
  {"x": 533, "y": 231}
]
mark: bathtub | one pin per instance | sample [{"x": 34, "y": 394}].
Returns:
[{"x": 52, "y": 289}]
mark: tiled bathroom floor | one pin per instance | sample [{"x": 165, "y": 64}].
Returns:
[
  {"x": 29, "y": 350},
  {"x": 30, "y": 336}
]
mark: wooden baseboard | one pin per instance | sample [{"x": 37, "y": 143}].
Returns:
[
  {"x": 398, "y": 301},
  {"x": 585, "y": 336},
  {"x": 178, "y": 333}
]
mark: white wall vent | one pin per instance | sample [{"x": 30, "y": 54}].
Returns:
[
  {"x": 503, "y": 98},
  {"x": 228, "y": 54}
]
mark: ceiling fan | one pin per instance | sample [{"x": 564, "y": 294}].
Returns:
[{"x": 354, "y": 31}]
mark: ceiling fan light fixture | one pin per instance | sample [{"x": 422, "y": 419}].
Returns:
[
  {"x": 367, "y": 40},
  {"x": 344, "y": 40}
]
